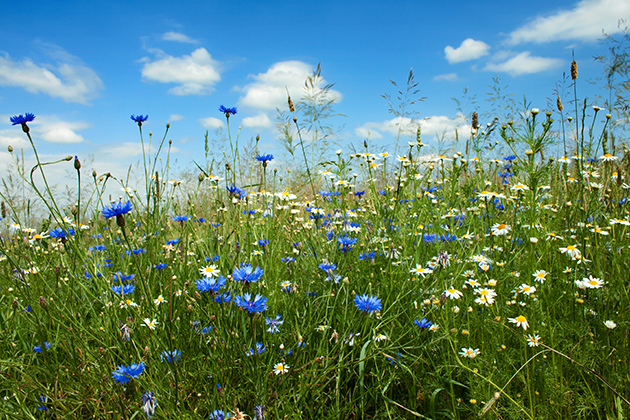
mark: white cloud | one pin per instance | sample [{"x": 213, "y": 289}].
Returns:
[
  {"x": 47, "y": 127},
  {"x": 69, "y": 79},
  {"x": 13, "y": 137},
  {"x": 175, "y": 117},
  {"x": 524, "y": 63},
  {"x": 430, "y": 126},
  {"x": 584, "y": 22},
  {"x": 127, "y": 150},
  {"x": 259, "y": 121},
  {"x": 211, "y": 123},
  {"x": 178, "y": 37},
  {"x": 269, "y": 89},
  {"x": 468, "y": 50},
  {"x": 196, "y": 74},
  {"x": 449, "y": 77},
  {"x": 368, "y": 131}
]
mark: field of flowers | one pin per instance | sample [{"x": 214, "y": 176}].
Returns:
[{"x": 389, "y": 286}]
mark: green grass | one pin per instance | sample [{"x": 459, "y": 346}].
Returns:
[{"x": 454, "y": 217}]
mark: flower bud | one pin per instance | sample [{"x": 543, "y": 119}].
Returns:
[
  {"x": 77, "y": 163},
  {"x": 10, "y": 149},
  {"x": 43, "y": 302}
]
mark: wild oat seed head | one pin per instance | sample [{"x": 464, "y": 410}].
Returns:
[
  {"x": 574, "y": 72},
  {"x": 559, "y": 104},
  {"x": 291, "y": 106}
]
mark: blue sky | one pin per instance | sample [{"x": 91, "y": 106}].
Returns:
[{"x": 84, "y": 67}]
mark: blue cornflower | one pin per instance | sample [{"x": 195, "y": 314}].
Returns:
[
  {"x": 140, "y": 119},
  {"x": 42, "y": 403},
  {"x": 118, "y": 210},
  {"x": 287, "y": 260},
  {"x": 22, "y": 119},
  {"x": 246, "y": 274},
  {"x": 171, "y": 356},
  {"x": 327, "y": 267},
  {"x": 368, "y": 303},
  {"x": 61, "y": 233},
  {"x": 180, "y": 218},
  {"x": 123, "y": 290},
  {"x": 257, "y": 304},
  {"x": 211, "y": 285},
  {"x": 344, "y": 243},
  {"x": 38, "y": 349},
  {"x": 123, "y": 277},
  {"x": 148, "y": 403},
  {"x": 124, "y": 374},
  {"x": 273, "y": 324},
  {"x": 223, "y": 298},
  {"x": 264, "y": 158},
  {"x": 236, "y": 191},
  {"x": 359, "y": 193},
  {"x": 423, "y": 323},
  {"x": 260, "y": 349},
  {"x": 227, "y": 111},
  {"x": 263, "y": 242},
  {"x": 161, "y": 266},
  {"x": 510, "y": 158},
  {"x": 219, "y": 414},
  {"x": 367, "y": 256}
]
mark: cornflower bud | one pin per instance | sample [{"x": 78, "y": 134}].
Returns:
[{"x": 77, "y": 163}]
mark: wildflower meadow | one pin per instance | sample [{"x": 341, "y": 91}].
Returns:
[{"x": 491, "y": 280}]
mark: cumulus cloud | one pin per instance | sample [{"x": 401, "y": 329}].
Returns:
[
  {"x": 178, "y": 37},
  {"x": 268, "y": 91},
  {"x": 449, "y": 77},
  {"x": 45, "y": 127},
  {"x": 69, "y": 78},
  {"x": 211, "y": 123},
  {"x": 584, "y": 22},
  {"x": 259, "y": 121},
  {"x": 196, "y": 74},
  {"x": 524, "y": 63},
  {"x": 468, "y": 50},
  {"x": 431, "y": 126},
  {"x": 13, "y": 137},
  {"x": 175, "y": 117}
]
